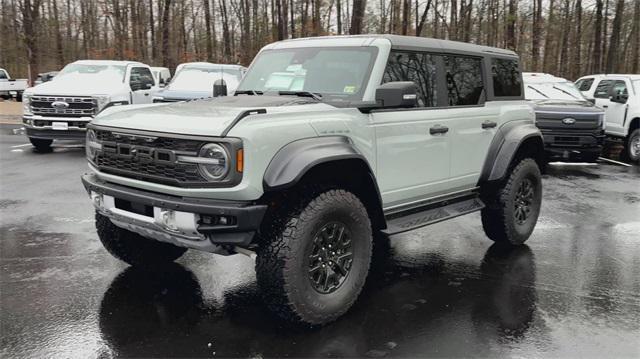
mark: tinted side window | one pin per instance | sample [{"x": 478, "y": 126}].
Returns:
[
  {"x": 141, "y": 75},
  {"x": 3, "y": 75},
  {"x": 464, "y": 80},
  {"x": 506, "y": 78},
  {"x": 417, "y": 67},
  {"x": 602, "y": 90},
  {"x": 584, "y": 84}
]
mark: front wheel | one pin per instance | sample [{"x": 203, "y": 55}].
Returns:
[
  {"x": 633, "y": 146},
  {"x": 133, "y": 248},
  {"x": 513, "y": 207},
  {"x": 40, "y": 144},
  {"x": 314, "y": 257}
]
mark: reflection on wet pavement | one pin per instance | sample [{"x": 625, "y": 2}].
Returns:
[{"x": 445, "y": 290}]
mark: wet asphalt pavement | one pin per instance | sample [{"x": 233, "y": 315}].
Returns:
[{"x": 443, "y": 291}]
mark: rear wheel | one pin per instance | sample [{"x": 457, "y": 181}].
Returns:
[
  {"x": 513, "y": 207},
  {"x": 314, "y": 257},
  {"x": 133, "y": 248},
  {"x": 632, "y": 148},
  {"x": 40, "y": 144}
]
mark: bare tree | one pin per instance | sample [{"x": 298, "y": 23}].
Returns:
[{"x": 357, "y": 17}]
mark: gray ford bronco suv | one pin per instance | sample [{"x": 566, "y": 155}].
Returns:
[{"x": 327, "y": 145}]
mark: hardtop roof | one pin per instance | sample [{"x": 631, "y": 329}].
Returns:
[{"x": 414, "y": 42}]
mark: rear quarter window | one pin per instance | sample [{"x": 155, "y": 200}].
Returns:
[{"x": 507, "y": 81}]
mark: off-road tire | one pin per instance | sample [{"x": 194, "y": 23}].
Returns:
[
  {"x": 499, "y": 216},
  {"x": 629, "y": 152},
  {"x": 133, "y": 248},
  {"x": 41, "y": 145},
  {"x": 284, "y": 256}
]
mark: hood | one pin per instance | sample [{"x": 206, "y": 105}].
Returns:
[
  {"x": 78, "y": 86},
  {"x": 183, "y": 95},
  {"x": 566, "y": 106},
  {"x": 209, "y": 117}
]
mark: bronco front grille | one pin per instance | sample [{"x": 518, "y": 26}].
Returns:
[
  {"x": 69, "y": 106},
  {"x": 148, "y": 158}
]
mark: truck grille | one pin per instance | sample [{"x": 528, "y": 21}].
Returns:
[
  {"x": 153, "y": 160},
  {"x": 75, "y": 106},
  {"x": 549, "y": 120}
]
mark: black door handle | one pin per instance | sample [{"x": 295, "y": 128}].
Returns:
[
  {"x": 605, "y": 106},
  {"x": 438, "y": 129},
  {"x": 146, "y": 94},
  {"x": 489, "y": 124}
]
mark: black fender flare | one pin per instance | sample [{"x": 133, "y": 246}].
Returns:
[
  {"x": 505, "y": 145},
  {"x": 296, "y": 158}
]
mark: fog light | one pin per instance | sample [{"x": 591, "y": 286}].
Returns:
[
  {"x": 168, "y": 219},
  {"x": 97, "y": 200}
]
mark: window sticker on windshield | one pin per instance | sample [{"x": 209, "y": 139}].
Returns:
[
  {"x": 349, "y": 89},
  {"x": 294, "y": 68}
]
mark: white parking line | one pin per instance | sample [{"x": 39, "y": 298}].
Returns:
[
  {"x": 22, "y": 145},
  {"x": 614, "y": 162}
]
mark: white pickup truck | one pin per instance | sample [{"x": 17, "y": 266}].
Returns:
[
  {"x": 619, "y": 96},
  {"x": 62, "y": 108},
  {"x": 11, "y": 87}
]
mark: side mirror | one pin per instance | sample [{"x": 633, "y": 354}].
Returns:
[
  {"x": 219, "y": 88},
  {"x": 619, "y": 98},
  {"x": 147, "y": 85},
  {"x": 397, "y": 94}
]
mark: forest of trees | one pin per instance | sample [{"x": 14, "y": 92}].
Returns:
[{"x": 567, "y": 38}]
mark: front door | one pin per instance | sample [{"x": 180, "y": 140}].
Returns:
[
  {"x": 614, "y": 112},
  {"x": 142, "y": 85},
  {"x": 412, "y": 145}
]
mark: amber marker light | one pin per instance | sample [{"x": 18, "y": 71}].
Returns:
[{"x": 240, "y": 160}]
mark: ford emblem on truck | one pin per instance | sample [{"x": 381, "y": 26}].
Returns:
[
  {"x": 59, "y": 104},
  {"x": 569, "y": 121}
]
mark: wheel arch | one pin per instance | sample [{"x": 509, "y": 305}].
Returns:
[
  {"x": 634, "y": 124},
  {"x": 514, "y": 140},
  {"x": 331, "y": 161}
]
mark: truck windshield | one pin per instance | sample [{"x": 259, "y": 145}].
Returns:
[
  {"x": 109, "y": 72},
  {"x": 552, "y": 91},
  {"x": 335, "y": 73},
  {"x": 202, "y": 78},
  {"x": 3, "y": 75}
]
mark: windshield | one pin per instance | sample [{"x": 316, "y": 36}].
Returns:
[
  {"x": 109, "y": 72},
  {"x": 3, "y": 75},
  {"x": 202, "y": 78},
  {"x": 552, "y": 91},
  {"x": 337, "y": 72}
]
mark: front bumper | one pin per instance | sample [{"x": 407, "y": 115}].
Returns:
[
  {"x": 573, "y": 145},
  {"x": 192, "y": 225},
  {"x": 42, "y": 127}
]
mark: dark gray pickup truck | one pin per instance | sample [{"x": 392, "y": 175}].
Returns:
[{"x": 571, "y": 125}]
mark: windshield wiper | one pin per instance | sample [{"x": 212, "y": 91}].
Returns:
[
  {"x": 567, "y": 92},
  {"x": 247, "y": 92},
  {"x": 314, "y": 95},
  {"x": 538, "y": 91}
]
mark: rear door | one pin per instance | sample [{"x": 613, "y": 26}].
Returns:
[
  {"x": 413, "y": 144},
  {"x": 473, "y": 122}
]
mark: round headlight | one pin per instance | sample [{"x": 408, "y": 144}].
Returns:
[
  {"x": 91, "y": 145},
  {"x": 216, "y": 161}
]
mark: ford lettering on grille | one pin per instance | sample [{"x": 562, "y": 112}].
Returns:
[{"x": 145, "y": 154}]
